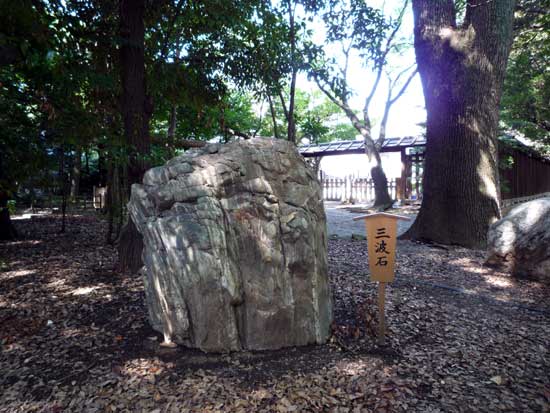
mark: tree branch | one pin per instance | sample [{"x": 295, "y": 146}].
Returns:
[
  {"x": 382, "y": 63},
  {"x": 404, "y": 87},
  {"x": 283, "y": 104}
]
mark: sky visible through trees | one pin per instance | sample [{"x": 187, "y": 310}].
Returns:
[{"x": 409, "y": 109}]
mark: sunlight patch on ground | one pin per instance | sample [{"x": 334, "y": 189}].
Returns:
[
  {"x": 499, "y": 281},
  {"x": 469, "y": 265},
  {"x": 71, "y": 332},
  {"x": 25, "y": 243},
  {"x": 144, "y": 367},
  {"x": 352, "y": 368},
  {"x": 56, "y": 283},
  {"x": 29, "y": 215},
  {"x": 84, "y": 290},
  {"x": 10, "y": 275}
]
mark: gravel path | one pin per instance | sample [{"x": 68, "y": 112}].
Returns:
[{"x": 340, "y": 221}]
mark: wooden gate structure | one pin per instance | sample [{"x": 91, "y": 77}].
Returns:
[
  {"x": 523, "y": 172},
  {"x": 409, "y": 185}
]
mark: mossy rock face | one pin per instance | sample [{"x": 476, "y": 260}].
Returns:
[
  {"x": 235, "y": 247},
  {"x": 520, "y": 241}
]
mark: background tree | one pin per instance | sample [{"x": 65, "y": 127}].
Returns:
[
  {"x": 25, "y": 106},
  {"x": 462, "y": 67},
  {"x": 136, "y": 109},
  {"x": 355, "y": 27},
  {"x": 203, "y": 46},
  {"x": 320, "y": 120}
]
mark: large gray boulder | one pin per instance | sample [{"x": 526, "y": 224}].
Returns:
[
  {"x": 520, "y": 242},
  {"x": 235, "y": 247}
]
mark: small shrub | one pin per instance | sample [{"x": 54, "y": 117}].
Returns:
[{"x": 11, "y": 206}]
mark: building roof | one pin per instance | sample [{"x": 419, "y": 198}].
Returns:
[{"x": 350, "y": 147}]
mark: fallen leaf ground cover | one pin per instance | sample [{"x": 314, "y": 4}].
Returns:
[{"x": 461, "y": 338}]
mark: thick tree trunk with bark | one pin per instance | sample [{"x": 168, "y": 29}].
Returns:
[
  {"x": 462, "y": 69},
  {"x": 136, "y": 111}
]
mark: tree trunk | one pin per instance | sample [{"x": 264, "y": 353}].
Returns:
[
  {"x": 382, "y": 198},
  {"x": 136, "y": 111},
  {"x": 291, "y": 132},
  {"x": 7, "y": 230},
  {"x": 132, "y": 239},
  {"x": 75, "y": 174},
  {"x": 172, "y": 123},
  {"x": 87, "y": 162},
  {"x": 103, "y": 173},
  {"x": 273, "y": 117},
  {"x": 291, "y": 119},
  {"x": 462, "y": 70},
  {"x": 63, "y": 183}
]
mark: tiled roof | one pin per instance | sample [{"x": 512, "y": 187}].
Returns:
[{"x": 347, "y": 147}]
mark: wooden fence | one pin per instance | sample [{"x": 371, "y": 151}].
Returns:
[
  {"x": 527, "y": 175},
  {"x": 352, "y": 188}
]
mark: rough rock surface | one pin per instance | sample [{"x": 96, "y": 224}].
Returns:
[
  {"x": 520, "y": 241},
  {"x": 235, "y": 247}
]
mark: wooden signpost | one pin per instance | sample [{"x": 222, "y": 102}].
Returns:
[{"x": 381, "y": 241}]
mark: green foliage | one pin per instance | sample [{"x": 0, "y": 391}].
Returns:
[
  {"x": 210, "y": 60},
  {"x": 352, "y": 26},
  {"x": 362, "y": 26},
  {"x": 320, "y": 120},
  {"x": 12, "y": 206},
  {"x": 22, "y": 147},
  {"x": 525, "y": 102},
  {"x": 506, "y": 162}
]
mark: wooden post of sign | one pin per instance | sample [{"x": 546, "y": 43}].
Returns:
[
  {"x": 381, "y": 313},
  {"x": 382, "y": 242}
]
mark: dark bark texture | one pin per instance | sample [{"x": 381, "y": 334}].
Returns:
[
  {"x": 75, "y": 174},
  {"x": 136, "y": 112},
  {"x": 382, "y": 198},
  {"x": 462, "y": 69},
  {"x": 7, "y": 230}
]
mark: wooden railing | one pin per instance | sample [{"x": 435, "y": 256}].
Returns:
[{"x": 353, "y": 189}]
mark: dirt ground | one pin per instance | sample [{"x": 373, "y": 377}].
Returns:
[{"x": 461, "y": 338}]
